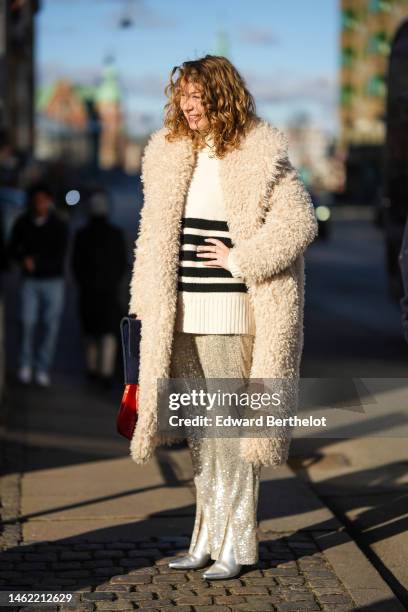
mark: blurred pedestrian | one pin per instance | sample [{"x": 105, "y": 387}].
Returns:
[
  {"x": 12, "y": 195},
  {"x": 3, "y": 268},
  {"x": 38, "y": 241},
  {"x": 99, "y": 263},
  {"x": 403, "y": 265}
]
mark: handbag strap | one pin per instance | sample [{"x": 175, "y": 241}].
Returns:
[{"x": 130, "y": 329}]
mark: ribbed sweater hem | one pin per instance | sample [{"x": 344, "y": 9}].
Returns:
[{"x": 204, "y": 313}]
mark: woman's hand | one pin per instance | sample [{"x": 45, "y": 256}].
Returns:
[{"x": 217, "y": 251}]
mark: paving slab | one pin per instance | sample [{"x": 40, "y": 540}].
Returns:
[{"x": 368, "y": 490}]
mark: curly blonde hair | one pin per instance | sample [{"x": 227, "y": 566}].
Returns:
[{"x": 229, "y": 106}]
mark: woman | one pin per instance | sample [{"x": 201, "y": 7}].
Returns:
[{"x": 218, "y": 282}]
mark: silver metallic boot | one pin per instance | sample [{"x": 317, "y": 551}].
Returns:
[
  {"x": 225, "y": 566},
  {"x": 199, "y": 558}
]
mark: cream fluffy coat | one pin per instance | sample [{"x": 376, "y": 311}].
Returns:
[{"x": 271, "y": 220}]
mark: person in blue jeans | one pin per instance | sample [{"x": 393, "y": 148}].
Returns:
[{"x": 38, "y": 241}]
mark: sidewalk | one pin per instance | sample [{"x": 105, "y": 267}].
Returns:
[
  {"x": 79, "y": 515},
  {"x": 92, "y": 521}
]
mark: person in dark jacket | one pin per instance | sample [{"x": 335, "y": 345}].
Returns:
[
  {"x": 38, "y": 241},
  {"x": 403, "y": 266},
  {"x": 99, "y": 263}
]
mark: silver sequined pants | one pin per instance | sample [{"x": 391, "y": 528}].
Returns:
[{"x": 227, "y": 487}]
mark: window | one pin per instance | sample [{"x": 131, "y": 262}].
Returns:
[
  {"x": 376, "y": 86},
  {"x": 379, "y": 44},
  {"x": 346, "y": 96},
  {"x": 378, "y": 6},
  {"x": 349, "y": 18},
  {"x": 348, "y": 55}
]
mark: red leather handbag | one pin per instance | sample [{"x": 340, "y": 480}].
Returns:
[
  {"x": 126, "y": 419},
  {"x": 127, "y": 415}
]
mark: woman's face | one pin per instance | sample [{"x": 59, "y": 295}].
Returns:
[{"x": 191, "y": 106}]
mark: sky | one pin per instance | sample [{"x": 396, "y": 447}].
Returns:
[{"x": 287, "y": 52}]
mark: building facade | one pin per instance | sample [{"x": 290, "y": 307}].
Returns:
[
  {"x": 368, "y": 28},
  {"x": 367, "y": 31}
]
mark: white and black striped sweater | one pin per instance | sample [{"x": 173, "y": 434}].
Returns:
[{"x": 211, "y": 300}]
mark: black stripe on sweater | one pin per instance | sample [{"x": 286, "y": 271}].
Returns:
[
  {"x": 204, "y": 224},
  {"x": 212, "y": 287},
  {"x": 189, "y": 256},
  {"x": 199, "y": 239},
  {"x": 193, "y": 256},
  {"x": 205, "y": 272}
]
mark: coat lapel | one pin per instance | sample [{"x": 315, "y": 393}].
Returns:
[
  {"x": 247, "y": 175},
  {"x": 168, "y": 168},
  {"x": 167, "y": 172}
]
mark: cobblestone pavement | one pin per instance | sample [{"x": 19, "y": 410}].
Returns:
[
  {"x": 11, "y": 458},
  {"x": 292, "y": 574}
]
